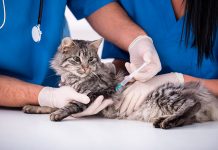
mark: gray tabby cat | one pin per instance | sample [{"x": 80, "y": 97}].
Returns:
[{"x": 168, "y": 106}]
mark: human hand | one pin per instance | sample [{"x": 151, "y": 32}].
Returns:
[
  {"x": 136, "y": 94},
  {"x": 98, "y": 105},
  {"x": 59, "y": 97},
  {"x": 142, "y": 50}
]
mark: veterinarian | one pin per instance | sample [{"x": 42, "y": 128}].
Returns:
[
  {"x": 154, "y": 29},
  {"x": 182, "y": 33},
  {"x": 30, "y": 32}
]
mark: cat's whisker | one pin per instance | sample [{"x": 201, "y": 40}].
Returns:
[
  {"x": 167, "y": 106},
  {"x": 52, "y": 75},
  {"x": 96, "y": 75}
]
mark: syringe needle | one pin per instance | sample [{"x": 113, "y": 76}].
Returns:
[{"x": 129, "y": 77}]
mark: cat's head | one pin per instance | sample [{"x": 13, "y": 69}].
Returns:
[{"x": 77, "y": 57}]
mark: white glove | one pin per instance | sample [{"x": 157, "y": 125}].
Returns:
[
  {"x": 59, "y": 97},
  {"x": 98, "y": 105},
  {"x": 142, "y": 50},
  {"x": 135, "y": 95}
]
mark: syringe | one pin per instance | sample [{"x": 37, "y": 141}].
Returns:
[{"x": 129, "y": 77}]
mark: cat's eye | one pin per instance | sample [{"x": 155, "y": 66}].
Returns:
[
  {"x": 92, "y": 59},
  {"x": 76, "y": 59}
]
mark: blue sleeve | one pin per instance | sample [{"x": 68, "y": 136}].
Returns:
[
  {"x": 112, "y": 51},
  {"x": 84, "y": 8}
]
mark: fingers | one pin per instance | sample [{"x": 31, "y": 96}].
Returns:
[
  {"x": 145, "y": 76},
  {"x": 118, "y": 105},
  {"x": 129, "y": 90},
  {"x": 139, "y": 102},
  {"x": 98, "y": 105},
  {"x": 147, "y": 56},
  {"x": 69, "y": 94},
  {"x": 104, "y": 104},
  {"x": 127, "y": 100},
  {"x": 149, "y": 71},
  {"x": 127, "y": 65},
  {"x": 80, "y": 97},
  {"x": 90, "y": 110},
  {"x": 131, "y": 106},
  {"x": 95, "y": 104}
]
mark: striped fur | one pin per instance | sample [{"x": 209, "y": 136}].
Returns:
[{"x": 168, "y": 106}]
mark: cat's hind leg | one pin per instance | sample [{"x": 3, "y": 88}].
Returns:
[
  {"x": 66, "y": 111},
  {"x": 185, "y": 115},
  {"x": 30, "y": 109}
]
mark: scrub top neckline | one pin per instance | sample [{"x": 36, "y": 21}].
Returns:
[
  {"x": 173, "y": 26},
  {"x": 172, "y": 20}
]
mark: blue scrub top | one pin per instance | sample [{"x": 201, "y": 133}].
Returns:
[
  {"x": 20, "y": 56},
  {"x": 157, "y": 18}
]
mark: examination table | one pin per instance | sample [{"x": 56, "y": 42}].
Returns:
[{"x": 19, "y": 131}]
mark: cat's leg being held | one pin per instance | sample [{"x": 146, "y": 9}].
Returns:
[
  {"x": 66, "y": 111},
  {"x": 185, "y": 115},
  {"x": 30, "y": 109}
]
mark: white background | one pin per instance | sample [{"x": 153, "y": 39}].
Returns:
[{"x": 19, "y": 131}]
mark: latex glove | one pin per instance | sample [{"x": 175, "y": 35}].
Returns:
[
  {"x": 142, "y": 49},
  {"x": 135, "y": 95},
  {"x": 98, "y": 105},
  {"x": 59, "y": 97}
]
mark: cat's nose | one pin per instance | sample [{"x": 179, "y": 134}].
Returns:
[
  {"x": 85, "y": 68},
  {"x": 85, "y": 65}
]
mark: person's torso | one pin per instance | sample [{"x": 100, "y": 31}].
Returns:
[
  {"x": 158, "y": 20},
  {"x": 20, "y": 56}
]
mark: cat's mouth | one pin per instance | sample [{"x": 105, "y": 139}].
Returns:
[{"x": 84, "y": 72}]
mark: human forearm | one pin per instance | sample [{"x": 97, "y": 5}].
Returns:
[
  {"x": 113, "y": 23},
  {"x": 16, "y": 93},
  {"x": 212, "y": 84}
]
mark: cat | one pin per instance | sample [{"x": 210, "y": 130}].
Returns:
[
  {"x": 168, "y": 106},
  {"x": 79, "y": 66}
]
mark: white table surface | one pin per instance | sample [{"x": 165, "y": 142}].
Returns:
[{"x": 19, "y": 131}]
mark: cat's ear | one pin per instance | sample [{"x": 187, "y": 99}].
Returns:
[
  {"x": 95, "y": 44},
  {"x": 66, "y": 43}
]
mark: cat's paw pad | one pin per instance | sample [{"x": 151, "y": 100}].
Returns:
[
  {"x": 56, "y": 117},
  {"x": 28, "y": 109}
]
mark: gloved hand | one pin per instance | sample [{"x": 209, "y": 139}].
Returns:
[
  {"x": 98, "y": 105},
  {"x": 142, "y": 50},
  {"x": 59, "y": 97},
  {"x": 135, "y": 95}
]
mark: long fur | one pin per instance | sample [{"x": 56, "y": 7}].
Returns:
[{"x": 167, "y": 106}]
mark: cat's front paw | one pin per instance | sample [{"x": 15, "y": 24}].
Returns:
[
  {"x": 29, "y": 109},
  {"x": 56, "y": 117}
]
